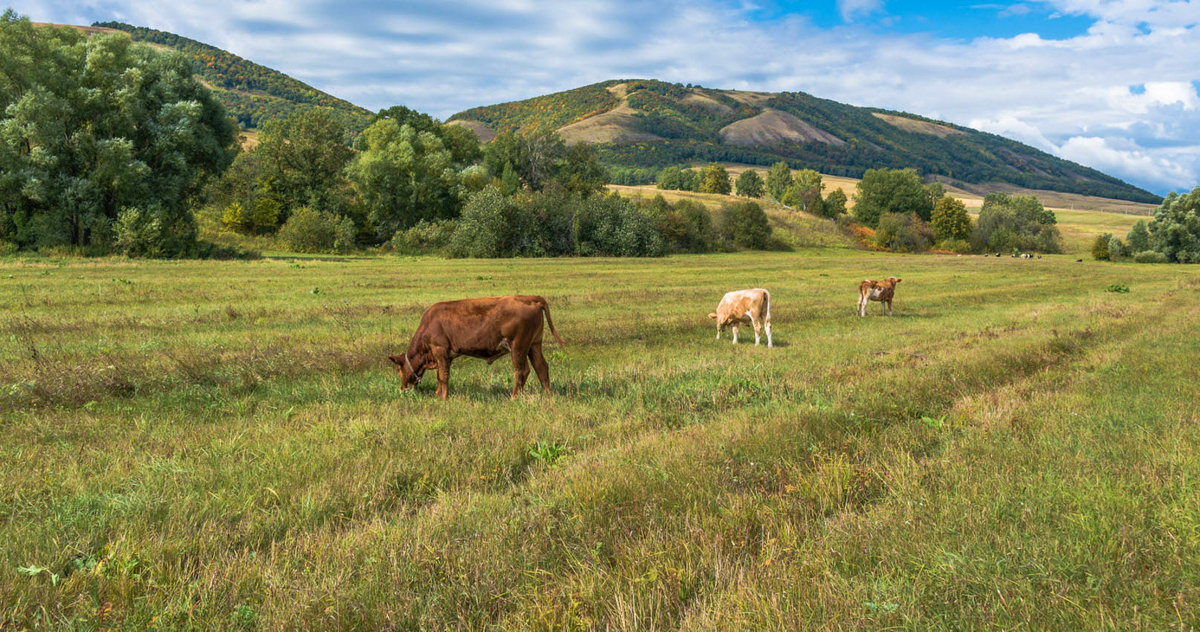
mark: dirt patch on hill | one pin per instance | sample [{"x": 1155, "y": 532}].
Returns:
[
  {"x": 920, "y": 127},
  {"x": 485, "y": 133},
  {"x": 702, "y": 99},
  {"x": 615, "y": 125},
  {"x": 773, "y": 127},
  {"x": 755, "y": 99}
]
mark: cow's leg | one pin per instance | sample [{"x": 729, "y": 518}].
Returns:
[
  {"x": 862, "y": 305},
  {"x": 757, "y": 329},
  {"x": 889, "y": 307},
  {"x": 734, "y": 328},
  {"x": 767, "y": 326},
  {"x": 442, "y": 357},
  {"x": 520, "y": 368},
  {"x": 539, "y": 366}
]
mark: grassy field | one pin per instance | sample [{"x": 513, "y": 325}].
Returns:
[{"x": 222, "y": 445}]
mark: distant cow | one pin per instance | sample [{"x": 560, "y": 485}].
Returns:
[
  {"x": 881, "y": 291},
  {"x": 744, "y": 306},
  {"x": 484, "y": 328}
]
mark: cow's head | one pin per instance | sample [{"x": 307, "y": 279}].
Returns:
[
  {"x": 410, "y": 371},
  {"x": 893, "y": 281}
]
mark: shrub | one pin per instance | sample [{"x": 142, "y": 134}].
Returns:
[
  {"x": 884, "y": 191},
  {"x": 309, "y": 230},
  {"x": 486, "y": 226},
  {"x": 1116, "y": 248},
  {"x": 745, "y": 225},
  {"x": 7, "y": 248},
  {"x": 903, "y": 232},
  {"x": 954, "y": 245},
  {"x": 138, "y": 233},
  {"x": 424, "y": 238},
  {"x": 1150, "y": 256},
  {"x": 611, "y": 225},
  {"x": 1100, "y": 248},
  {"x": 1139, "y": 237}
]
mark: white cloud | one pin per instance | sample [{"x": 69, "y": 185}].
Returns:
[{"x": 851, "y": 9}]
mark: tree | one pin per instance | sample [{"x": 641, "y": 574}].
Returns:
[
  {"x": 93, "y": 128},
  {"x": 890, "y": 191},
  {"x": 805, "y": 192},
  {"x": 304, "y": 157},
  {"x": 669, "y": 179},
  {"x": 950, "y": 219},
  {"x": 835, "y": 203},
  {"x": 1175, "y": 230},
  {"x": 1015, "y": 223},
  {"x": 750, "y": 184},
  {"x": 1100, "y": 247},
  {"x": 1138, "y": 237},
  {"x": 715, "y": 180},
  {"x": 779, "y": 178},
  {"x": 404, "y": 176},
  {"x": 745, "y": 225}
]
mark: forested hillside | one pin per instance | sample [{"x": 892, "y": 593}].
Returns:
[
  {"x": 665, "y": 124},
  {"x": 251, "y": 92}
]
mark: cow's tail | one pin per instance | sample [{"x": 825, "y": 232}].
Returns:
[
  {"x": 546, "y": 311},
  {"x": 767, "y": 304}
]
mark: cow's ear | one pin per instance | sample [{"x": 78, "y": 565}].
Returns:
[
  {"x": 712, "y": 315},
  {"x": 394, "y": 360},
  {"x": 897, "y": 280}
]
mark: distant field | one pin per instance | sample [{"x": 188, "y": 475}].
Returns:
[
  {"x": 222, "y": 445},
  {"x": 1079, "y": 227}
]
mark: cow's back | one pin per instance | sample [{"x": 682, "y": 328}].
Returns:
[
  {"x": 738, "y": 303},
  {"x": 481, "y": 323}
]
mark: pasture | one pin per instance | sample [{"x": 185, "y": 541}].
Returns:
[{"x": 223, "y": 445}]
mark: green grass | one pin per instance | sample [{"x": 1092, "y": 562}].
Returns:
[{"x": 214, "y": 445}]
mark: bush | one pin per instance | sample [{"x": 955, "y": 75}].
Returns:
[
  {"x": 903, "y": 232},
  {"x": 424, "y": 238},
  {"x": 835, "y": 204},
  {"x": 745, "y": 224},
  {"x": 611, "y": 225},
  {"x": 486, "y": 226},
  {"x": 954, "y": 245},
  {"x": 138, "y": 233},
  {"x": 309, "y": 230},
  {"x": 1175, "y": 231},
  {"x": 7, "y": 248},
  {"x": 884, "y": 191},
  {"x": 1139, "y": 237},
  {"x": 1150, "y": 256},
  {"x": 1116, "y": 248},
  {"x": 683, "y": 227},
  {"x": 1100, "y": 247}
]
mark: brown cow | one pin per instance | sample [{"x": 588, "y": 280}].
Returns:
[
  {"x": 481, "y": 328},
  {"x": 881, "y": 291},
  {"x": 744, "y": 306}
]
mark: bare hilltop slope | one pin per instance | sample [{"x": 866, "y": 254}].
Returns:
[{"x": 647, "y": 123}]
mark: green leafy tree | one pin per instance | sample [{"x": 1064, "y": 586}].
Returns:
[
  {"x": 890, "y": 191},
  {"x": 750, "y": 184},
  {"x": 950, "y": 219},
  {"x": 1175, "y": 229},
  {"x": 779, "y": 179},
  {"x": 715, "y": 180},
  {"x": 310, "y": 230},
  {"x": 1008, "y": 223},
  {"x": 403, "y": 177},
  {"x": 669, "y": 179},
  {"x": 746, "y": 225},
  {"x": 304, "y": 157},
  {"x": 835, "y": 203},
  {"x": 1138, "y": 237},
  {"x": 93, "y": 128}
]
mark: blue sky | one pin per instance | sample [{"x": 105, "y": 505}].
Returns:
[{"x": 1112, "y": 84}]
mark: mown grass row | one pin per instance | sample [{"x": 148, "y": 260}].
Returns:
[{"x": 1002, "y": 453}]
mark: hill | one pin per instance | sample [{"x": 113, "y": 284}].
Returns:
[
  {"x": 647, "y": 123},
  {"x": 251, "y": 92}
]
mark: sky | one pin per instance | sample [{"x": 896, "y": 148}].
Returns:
[{"x": 1111, "y": 84}]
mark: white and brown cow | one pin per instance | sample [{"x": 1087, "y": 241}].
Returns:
[
  {"x": 744, "y": 306},
  {"x": 881, "y": 291}
]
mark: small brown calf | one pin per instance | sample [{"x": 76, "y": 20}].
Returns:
[{"x": 881, "y": 291}]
